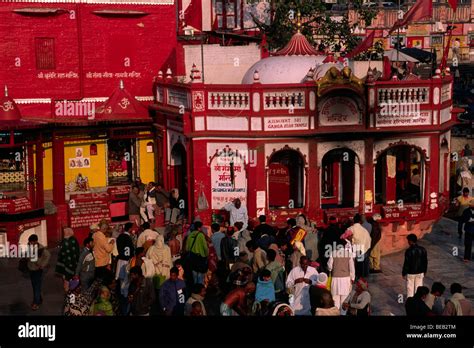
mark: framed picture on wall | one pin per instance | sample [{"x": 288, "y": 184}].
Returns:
[
  {"x": 393, "y": 41},
  {"x": 79, "y": 162},
  {"x": 436, "y": 40},
  {"x": 79, "y": 152}
]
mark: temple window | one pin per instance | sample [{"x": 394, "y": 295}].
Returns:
[
  {"x": 44, "y": 49},
  {"x": 12, "y": 170},
  {"x": 227, "y": 13},
  {"x": 399, "y": 176},
  {"x": 286, "y": 180}
]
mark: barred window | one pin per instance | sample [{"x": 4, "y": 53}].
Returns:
[{"x": 44, "y": 47}]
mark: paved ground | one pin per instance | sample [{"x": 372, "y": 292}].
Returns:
[
  {"x": 386, "y": 288},
  {"x": 443, "y": 266},
  {"x": 16, "y": 293}
]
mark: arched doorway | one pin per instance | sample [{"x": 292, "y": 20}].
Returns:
[
  {"x": 286, "y": 180},
  {"x": 400, "y": 175},
  {"x": 340, "y": 179},
  {"x": 178, "y": 170}
]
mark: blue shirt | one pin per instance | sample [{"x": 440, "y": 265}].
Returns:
[
  {"x": 216, "y": 241},
  {"x": 265, "y": 291}
]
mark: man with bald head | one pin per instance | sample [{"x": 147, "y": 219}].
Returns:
[
  {"x": 298, "y": 282},
  {"x": 235, "y": 303}
]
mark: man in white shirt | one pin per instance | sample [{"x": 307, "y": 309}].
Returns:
[
  {"x": 361, "y": 241},
  {"x": 299, "y": 280},
  {"x": 149, "y": 203},
  {"x": 237, "y": 213}
]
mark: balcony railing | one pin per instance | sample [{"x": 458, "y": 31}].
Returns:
[
  {"x": 284, "y": 100},
  {"x": 228, "y": 100},
  {"x": 299, "y": 102},
  {"x": 403, "y": 95}
]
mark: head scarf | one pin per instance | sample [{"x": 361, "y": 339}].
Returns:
[
  {"x": 160, "y": 254},
  {"x": 362, "y": 284},
  {"x": 73, "y": 284},
  {"x": 347, "y": 234},
  {"x": 322, "y": 279}
]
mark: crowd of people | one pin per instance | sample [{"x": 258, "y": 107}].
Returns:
[
  {"x": 231, "y": 269},
  {"x": 146, "y": 203},
  {"x": 236, "y": 269}
]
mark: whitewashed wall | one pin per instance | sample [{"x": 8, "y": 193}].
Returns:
[{"x": 223, "y": 64}]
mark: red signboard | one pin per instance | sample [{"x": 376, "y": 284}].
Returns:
[
  {"x": 279, "y": 185},
  {"x": 406, "y": 211},
  {"x": 89, "y": 196},
  {"x": 83, "y": 213},
  {"x": 118, "y": 192},
  {"x": 26, "y": 226},
  {"x": 15, "y": 206}
]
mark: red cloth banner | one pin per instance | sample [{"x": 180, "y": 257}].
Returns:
[
  {"x": 421, "y": 10},
  {"x": 446, "y": 50},
  {"x": 363, "y": 46},
  {"x": 453, "y": 4},
  {"x": 193, "y": 14}
]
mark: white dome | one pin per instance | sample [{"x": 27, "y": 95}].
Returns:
[{"x": 282, "y": 69}]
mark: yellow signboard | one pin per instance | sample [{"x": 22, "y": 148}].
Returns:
[{"x": 418, "y": 30}]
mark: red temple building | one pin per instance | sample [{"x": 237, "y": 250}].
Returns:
[
  {"x": 75, "y": 129},
  {"x": 298, "y": 135},
  {"x": 78, "y": 130},
  {"x": 87, "y": 113}
]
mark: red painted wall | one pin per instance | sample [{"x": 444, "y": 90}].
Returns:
[{"x": 85, "y": 43}]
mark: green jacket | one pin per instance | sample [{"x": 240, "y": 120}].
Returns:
[
  {"x": 200, "y": 246},
  {"x": 102, "y": 308}
]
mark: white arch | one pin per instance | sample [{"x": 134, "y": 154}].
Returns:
[{"x": 358, "y": 146}]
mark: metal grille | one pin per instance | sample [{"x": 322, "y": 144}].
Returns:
[{"x": 44, "y": 53}]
